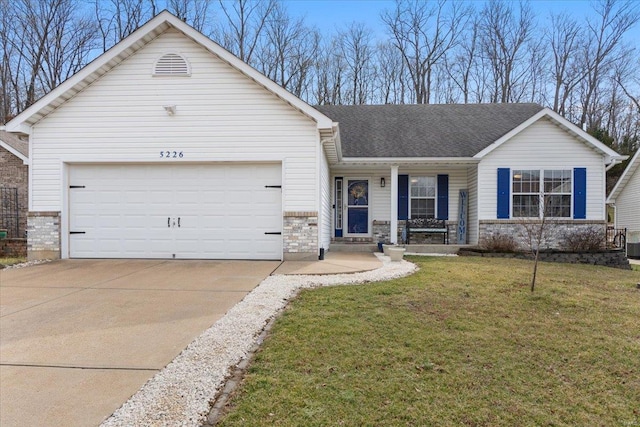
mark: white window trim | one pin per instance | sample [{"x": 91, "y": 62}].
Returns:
[
  {"x": 540, "y": 194},
  {"x": 435, "y": 197}
]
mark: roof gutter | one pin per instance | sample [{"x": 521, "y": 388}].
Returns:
[
  {"x": 409, "y": 160},
  {"x": 615, "y": 161}
]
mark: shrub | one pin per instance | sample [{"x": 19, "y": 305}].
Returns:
[
  {"x": 591, "y": 239},
  {"x": 499, "y": 243}
]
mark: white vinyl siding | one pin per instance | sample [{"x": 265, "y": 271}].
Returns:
[
  {"x": 543, "y": 145},
  {"x": 221, "y": 116},
  {"x": 628, "y": 203}
]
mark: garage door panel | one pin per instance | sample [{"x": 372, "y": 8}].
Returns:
[{"x": 133, "y": 210}]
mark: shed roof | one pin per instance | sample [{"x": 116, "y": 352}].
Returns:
[{"x": 443, "y": 130}]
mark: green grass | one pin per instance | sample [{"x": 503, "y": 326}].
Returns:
[
  {"x": 461, "y": 342},
  {"x": 5, "y": 262}
]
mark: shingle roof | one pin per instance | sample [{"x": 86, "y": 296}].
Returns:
[
  {"x": 444, "y": 130},
  {"x": 14, "y": 142}
]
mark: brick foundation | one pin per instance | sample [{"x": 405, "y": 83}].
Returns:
[
  {"x": 300, "y": 236},
  {"x": 43, "y": 237},
  {"x": 14, "y": 248}
]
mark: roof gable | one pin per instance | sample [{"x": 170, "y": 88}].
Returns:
[
  {"x": 629, "y": 172},
  {"x": 15, "y": 146},
  {"x": 129, "y": 46},
  {"x": 610, "y": 155}
]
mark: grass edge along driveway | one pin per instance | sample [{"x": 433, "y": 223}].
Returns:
[{"x": 461, "y": 342}]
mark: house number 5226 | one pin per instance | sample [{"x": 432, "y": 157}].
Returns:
[{"x": 171, "y": 154}]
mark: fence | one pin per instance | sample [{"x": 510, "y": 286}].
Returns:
[
  {"x": 616, "y": 237},
  {"x": 9, "y": 212}
]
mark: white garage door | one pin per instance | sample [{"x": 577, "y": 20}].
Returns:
[{"x": 175, "y": 211}]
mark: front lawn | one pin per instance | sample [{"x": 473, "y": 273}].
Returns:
[{"x": 461, "y": 342}]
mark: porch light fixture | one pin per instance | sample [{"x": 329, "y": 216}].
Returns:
[
  {"x": 170, "y": 109},
  {"x": 382, "y": 182}
]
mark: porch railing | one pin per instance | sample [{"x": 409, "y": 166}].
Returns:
[{"x": 616, "y": 237}]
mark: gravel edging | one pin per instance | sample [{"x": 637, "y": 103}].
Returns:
[
  {"x": 26, "y": 264},
  {"x": 181, "y": 394}
]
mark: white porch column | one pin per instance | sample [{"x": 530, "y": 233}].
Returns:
[{"x": 394, "y": 205}]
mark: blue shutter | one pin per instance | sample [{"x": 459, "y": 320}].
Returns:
[
  {"x": 443, "y": 196},
  {"x": 580, "y": 193},
  {"x": 403, "y": 196},
  {"x": 504, "y": 183}
]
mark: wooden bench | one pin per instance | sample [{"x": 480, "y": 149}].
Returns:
[{"x": 427, "y": 226}]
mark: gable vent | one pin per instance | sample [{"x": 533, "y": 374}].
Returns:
[{"x": 171, "y": 64}]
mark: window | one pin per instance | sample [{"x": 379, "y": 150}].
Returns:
[
  {"x": 530, "y": 187},
  {"x": 423, "y": 197}
]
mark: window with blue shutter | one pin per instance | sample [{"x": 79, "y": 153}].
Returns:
[
  {"x": 443, "y": 196},
  {"x": 580, "y": 193},
  {"x": 403, "y": 196},
  {"x": 504, "y": 183}
]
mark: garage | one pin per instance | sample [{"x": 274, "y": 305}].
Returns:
[{"x": 181, "y": 211}]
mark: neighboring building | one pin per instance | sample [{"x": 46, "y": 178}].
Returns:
[
  {"x": 169, "y": 146},
  {"x": 625, "y": 197},
  {"x": 14, "y": 184}
]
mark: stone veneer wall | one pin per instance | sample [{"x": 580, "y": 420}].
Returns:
[
  {"x": 300, "y": 235},
  {"x": 612, "y": 258},
  {"x": 553, "y": 234},
  {"x": 382, "y": 230},
  {"x": 43, "y": 235}
]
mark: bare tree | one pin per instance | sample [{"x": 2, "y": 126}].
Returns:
[
  {"x": 565, "y": 39},
  {"x": 424, "y": 32},
  {"x": 390, "y": 79},
  {"x": 288, "y": 51},
  {"x": 460, "y": 66},
  {"x": 117, "y": 19},
  {"x": 244, "y": 26},
  {"x": 193, "y": 12},
  {"x": 355, "y": 47},
  {"x": 603, "y": 49},
  {"x": 505, "y": 36}
]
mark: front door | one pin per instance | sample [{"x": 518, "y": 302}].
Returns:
[{"x": 357, "y": 206}]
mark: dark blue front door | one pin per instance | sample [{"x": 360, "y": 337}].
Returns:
[{"x": 357, "y": 206}]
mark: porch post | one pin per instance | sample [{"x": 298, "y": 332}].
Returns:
[{"x": 394, "y": 205}]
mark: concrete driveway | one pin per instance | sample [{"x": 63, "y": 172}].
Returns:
[{"x": 79, "y": 337}]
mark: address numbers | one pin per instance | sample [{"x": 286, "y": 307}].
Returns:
[{"x": 171, "y": 154}]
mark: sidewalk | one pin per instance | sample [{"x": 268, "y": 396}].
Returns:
[{"x": 333, "y": 263}]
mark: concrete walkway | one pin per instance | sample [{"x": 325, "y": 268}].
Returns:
[
  {"x": 333, "y": 263},
  {"x": 79, "y": 337}
]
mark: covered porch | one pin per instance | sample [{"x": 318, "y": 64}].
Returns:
[{"x": 373, "y": 200}]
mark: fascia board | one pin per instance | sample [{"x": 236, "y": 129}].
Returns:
[{"x": 409, "y": 160}]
